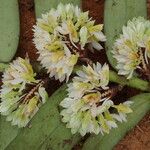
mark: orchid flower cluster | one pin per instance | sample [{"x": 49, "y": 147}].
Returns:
[
  {"x": 89, "y": 107},
  {"x": 22, "y": 94},
  {"x": 132, "y": 49},
  {"x": 61, "y": 38}
]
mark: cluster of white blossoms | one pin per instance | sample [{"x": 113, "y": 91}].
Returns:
[
  {"x": 21, "y": 94},
  {"x": 88, "y": 107},
  {"x": 132, "y": 49},
  {"x": 61, "y": 36}
]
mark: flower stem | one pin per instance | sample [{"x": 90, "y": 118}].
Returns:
[{"x": 134, "y": 82}]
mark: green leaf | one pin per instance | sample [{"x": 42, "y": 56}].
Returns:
[
  {"x": 43, "y": 6},
  {"x": 9, "y": 29},
  {"x": 7, "y": 132},
  {"x": 140, "y": 107},
  {"x": 9, "y": 35},
  {"x": 46, "y": 131},
  {"x": 60, "y": 139},
  {"x": 116, "y": 14}
]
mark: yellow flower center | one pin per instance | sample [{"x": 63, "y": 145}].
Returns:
[
  {"x": 134, "y": 56},
  {"x": 92, "y": 97}
]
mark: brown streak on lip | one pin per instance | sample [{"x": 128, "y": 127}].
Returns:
[
  {"x": 112, "y": 91},
  {"x": 72, "y": 48},
  {"x": 144, "y": 71},
  {"x": 32, "y": 92}
]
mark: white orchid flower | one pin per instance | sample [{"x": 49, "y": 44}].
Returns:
[{"x": 61, "y": 36}]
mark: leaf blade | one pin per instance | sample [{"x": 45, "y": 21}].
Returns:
[
  {"x": 7, "y": 132},
  {"x": 9, "y": 29}
]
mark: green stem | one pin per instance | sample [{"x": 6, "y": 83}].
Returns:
[{"x": 134, "y": 82}]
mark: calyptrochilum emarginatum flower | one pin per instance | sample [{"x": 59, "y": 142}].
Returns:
[
  {"x": 62, "y": 36},
  {"x": 21, "y": 93},
  {"x": 89, "y": 107},
  {"x": 132, "y": 49}
]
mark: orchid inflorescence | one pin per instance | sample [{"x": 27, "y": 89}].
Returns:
[
  {"x": 63, "y": 37},
  {"x": 89, "y": 107},
  {"x": 132, "y": 49},
  {"x": 21, "y": 94}
]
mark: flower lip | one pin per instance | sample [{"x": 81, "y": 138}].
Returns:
[
  {"x": 92, "y": 97},
  {"x": 75, "y": 48},
  {"x": 28, "y": 94}
]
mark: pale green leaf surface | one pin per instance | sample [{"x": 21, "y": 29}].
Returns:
[
  {"x": 7, "y": 132},
  {"x": 9, "y": 37},
  {"x": 9, "y": 29}
]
